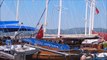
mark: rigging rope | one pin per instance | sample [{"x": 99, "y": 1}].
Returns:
[
  {"x": 41, "y": 15},
  {"x": 0, "y": 7},
  {"x": 1, "y": 3}
]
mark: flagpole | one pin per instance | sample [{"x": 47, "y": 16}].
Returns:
[{"x": 59, "y": 23}]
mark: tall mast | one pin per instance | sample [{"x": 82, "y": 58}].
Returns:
[
  {"x": 93, "y": 15},
  {"x": 46, "y": 12},
  {"x": 90, "y": 19},
  {"x": 92, "y": 11},
  {"x": 59, "y": 23},
  {"x": 86, "y": 17},
  {"x": 17, "y": 10}
]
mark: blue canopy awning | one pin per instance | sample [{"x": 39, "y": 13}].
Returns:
[
  {"x": 34, "y": 41},
  {"x": 8, "y": 22},
  {"x": 13, "y": 25},
  {"x": 16, "y": 26}
]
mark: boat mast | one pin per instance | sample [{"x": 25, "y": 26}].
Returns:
[
  {"x": 92, "y": 11},
  {"x": 90, "y": 17},
  {"x": 93, "y": 15},
  {"x": 86, "y": 17},
  {"x": 46, "y": 12},
  {"x": 17, "y": 10},
  {"x": 59, "y": 23}
]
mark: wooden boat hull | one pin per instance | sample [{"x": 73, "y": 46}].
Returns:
[{"x": 45, "y": 55}]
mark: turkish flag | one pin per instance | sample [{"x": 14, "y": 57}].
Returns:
[
  {"x": 40, "y": 33},
  {"x": 97, "y": 11}
]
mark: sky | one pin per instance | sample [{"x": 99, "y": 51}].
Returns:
[{"x": 73, "y": 13}]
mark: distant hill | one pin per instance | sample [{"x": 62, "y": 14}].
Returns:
[{"x": 73, "y": 31}]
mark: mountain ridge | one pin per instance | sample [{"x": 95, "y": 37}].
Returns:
[{"x": 73, "y": 31}]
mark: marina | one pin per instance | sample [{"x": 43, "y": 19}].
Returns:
[{"x": 24, "y": 42}]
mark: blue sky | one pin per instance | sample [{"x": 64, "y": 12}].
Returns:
[{"x": 73, "y": 13}]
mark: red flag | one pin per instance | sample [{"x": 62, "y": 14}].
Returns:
[
  {"x": 40, "y": 33},
  {"x": 97, "y": 11}
]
